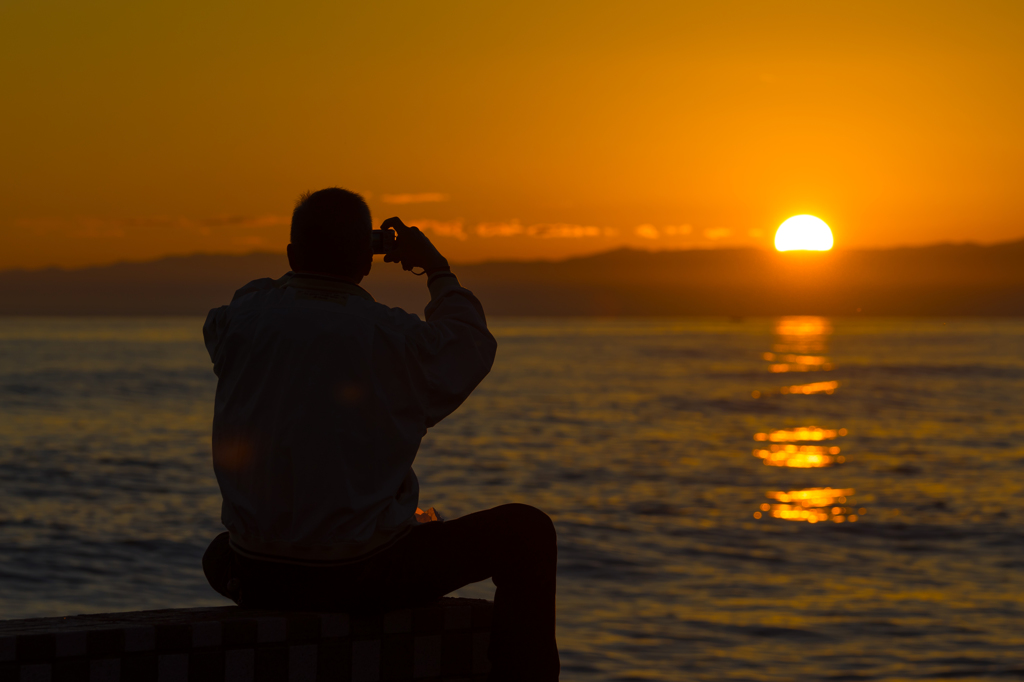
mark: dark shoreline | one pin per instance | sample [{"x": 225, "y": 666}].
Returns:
[{"x": 940, "y": 280}]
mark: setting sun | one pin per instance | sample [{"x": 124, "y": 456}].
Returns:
[{"x": 803, "y": 233}]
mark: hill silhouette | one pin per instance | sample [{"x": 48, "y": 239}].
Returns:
[{"x": 945, "y": 279}]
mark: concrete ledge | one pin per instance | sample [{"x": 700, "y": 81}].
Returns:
[{"x": 446, "y": 641}]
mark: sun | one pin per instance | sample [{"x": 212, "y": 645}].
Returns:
[{"x": 803, "y": 233}]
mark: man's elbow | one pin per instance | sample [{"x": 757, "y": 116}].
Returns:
[{"x": 488, "y": 350}]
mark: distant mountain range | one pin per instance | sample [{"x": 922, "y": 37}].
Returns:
[{"x": 947, "y": 279}]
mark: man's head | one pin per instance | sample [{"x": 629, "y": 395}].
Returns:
[{"x": 331, "y": 234}]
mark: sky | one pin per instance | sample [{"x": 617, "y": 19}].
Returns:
[{"x": 507, "y": 130}]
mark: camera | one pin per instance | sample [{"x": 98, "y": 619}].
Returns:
[{"x": 382, "y": 241}]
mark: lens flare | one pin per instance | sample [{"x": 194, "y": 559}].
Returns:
[{"x": 803, "y": 233}]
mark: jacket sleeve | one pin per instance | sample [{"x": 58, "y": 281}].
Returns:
[
  {"x": 215, "y": 327},
  {"x": 213, "y": 332},
  {"x": 453, "y": 350}
]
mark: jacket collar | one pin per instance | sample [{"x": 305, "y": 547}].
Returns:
[{"x": 303, "y": 280}]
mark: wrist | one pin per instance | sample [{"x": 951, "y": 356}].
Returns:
[
  {"x": 438, "y": 273},
  {"x": 441, "y": 282},
  {"x": 439, "y": 266}
]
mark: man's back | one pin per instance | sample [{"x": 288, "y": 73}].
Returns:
[{"x": 323, "y": 397}]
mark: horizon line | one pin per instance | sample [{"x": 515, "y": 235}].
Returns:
[{"x": 281, "y": 253}]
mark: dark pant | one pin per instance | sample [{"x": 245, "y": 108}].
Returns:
[{"x": 513, "y": 544}]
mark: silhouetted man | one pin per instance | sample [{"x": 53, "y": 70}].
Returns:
[{"x": 323, "y": 396}]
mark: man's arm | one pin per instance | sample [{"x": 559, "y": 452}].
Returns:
[
  {"x": 454, "y": 349},
  {"x": 215, "y": 327},
  {"x": 412, "y": 248}
]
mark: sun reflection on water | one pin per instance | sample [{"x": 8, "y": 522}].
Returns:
[
  {"x": 792, "y": 362},
  {"x": 800, "y": 433},
  {"x": 812, "y": 505},
  {"x": 786, "y": 451},
  {"x": 800, "y": 456},
  {"x": 802, "y": 334},
  {"x": 802, "y": 346},
  {"x": 828, "y": 387}
]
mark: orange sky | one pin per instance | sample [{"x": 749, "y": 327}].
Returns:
[{"x": 521, "y": 130}]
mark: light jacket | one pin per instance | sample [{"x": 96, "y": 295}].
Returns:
[{"x": 323, "y": 396}]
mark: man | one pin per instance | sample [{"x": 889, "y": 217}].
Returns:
[{"x": 323, "y": 396}]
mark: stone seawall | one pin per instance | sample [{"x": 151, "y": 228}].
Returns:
[{"x": 446, "y": 641}]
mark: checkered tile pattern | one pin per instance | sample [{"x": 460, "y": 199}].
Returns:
[{"x": 446, "y": 642}]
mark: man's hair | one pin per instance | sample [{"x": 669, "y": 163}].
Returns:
[{"x": 332, "y": 229}]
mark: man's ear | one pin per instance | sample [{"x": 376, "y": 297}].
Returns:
[
  {"x": 292, "y": 258},
  {"x": 367, "y": 267}
]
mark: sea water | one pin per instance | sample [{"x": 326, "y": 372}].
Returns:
[{"x": 761, "y": 499}]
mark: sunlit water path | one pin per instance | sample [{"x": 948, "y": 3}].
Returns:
[{"x": 753, "y": 500}]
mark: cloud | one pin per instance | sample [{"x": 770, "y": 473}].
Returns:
[
  {"x": 441, "y": 228},
  {"x": 243, "y": 221},
  {"x": 421, "y": 198},
  {"x": 562, "y": 231},
  {"x": 673, "y": 230},
  {"x": 94, "y": 232},
  {"x": 717, "y": 232},
  {"x": 543, "y": 230},
  {"x": 508, "y": 229},
  {"x": 135, "y": 226},
  {"x": 647, "y": 231}
]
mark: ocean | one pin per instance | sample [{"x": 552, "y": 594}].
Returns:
[{"x": 756, "y": 499}]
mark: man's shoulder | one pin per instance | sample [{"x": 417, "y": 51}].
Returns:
[
  {"x": 257, "y": 285},
  {"x": 326, "y": 304},
  {"x": 319, "y": 294},
  {"x": 381, "y": 315}
]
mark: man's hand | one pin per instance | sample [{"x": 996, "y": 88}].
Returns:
[{"x": 412, "y": 248}]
